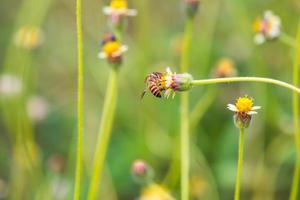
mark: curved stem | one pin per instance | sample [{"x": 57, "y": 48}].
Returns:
[
  {"x": 79, "y": 152},
  {"x": 184, "y": 114},
  {"x": 247, "y": 79},
  {"x": 240, "y": 165},
  {"x": 104, "y": 133},
  {"x": 295, "y": 184}
]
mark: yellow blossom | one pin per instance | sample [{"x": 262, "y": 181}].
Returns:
[
  {"x": 118, "y": 4},
  {"x": 155, "y": 192}
]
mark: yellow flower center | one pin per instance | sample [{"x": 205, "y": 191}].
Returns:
[
  {"x": 244, "y": 104},
  {"x": 118, "y": 4},
  {"x": 257, "y": 25},
  {"x": 111, "y": 47},
  {"x": 155, "y": 192},
  {"x": 163, "y": 82}
]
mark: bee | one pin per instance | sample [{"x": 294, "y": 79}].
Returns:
[
  {"x": 108, "y": 37},
  {"x": 153, "y": 84}
]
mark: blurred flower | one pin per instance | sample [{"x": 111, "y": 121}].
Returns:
[
  {"x": 243, "y": 109},
  {"x": 37, "y": 108},
  {"x": 267, "y": 27},
  {"x": 118, "y": 9},
  {"x": 225, "y": 68},
  {"x": 167, "y": 82},
  {"x": 3, "y": 189},
  {"x": 198, "y": 186},
  {"x": 192, "y": 7},
  {"x": 108, "y": 37},
  {"x": 10, "y": 85},
  {"x": 155, "y": 192},
  {"x": 60, "y": 188},
  {"x": 142, "y": 172},
  {"x": 139, "y": 168},
  {"x": 56, "y": 163},
  {"x": 29, "y": 37},
  {"x": 112, "y": 49}
]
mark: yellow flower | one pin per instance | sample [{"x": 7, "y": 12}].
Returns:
[
  {"x": 118, "y": 9},
  {"x": 244, "y": 105},
  {"x": 112, "y": 51},
  {"x": 118, "y": 4},
  {"x": 29, "y": 37},
  {"x": 243, "y": 109},
  {"x": 111, "y": 47},
  {"x": 225, "y": 68},
  {"x": 155, "y": 192}
]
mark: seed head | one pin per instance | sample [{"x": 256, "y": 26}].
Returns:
[{"x": 192, "y": 7}]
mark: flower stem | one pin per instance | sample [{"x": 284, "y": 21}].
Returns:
[
  {"x": 79, "y": 153},
  {"x": 240, "y": 165},
  {"x": 104, "y": 133},
  {"x": 295, "y": 184},
  {"x": 288, "y": 40},
  {"x": 247, "y": 79},
  {"x": 184, "y": 114}
]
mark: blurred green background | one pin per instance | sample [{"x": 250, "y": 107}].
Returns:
[{"x": 38, "y": 100}]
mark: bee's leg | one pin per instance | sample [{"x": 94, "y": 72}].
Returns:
[{"x": 143, "y": 94}]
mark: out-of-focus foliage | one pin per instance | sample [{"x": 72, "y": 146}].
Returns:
[{"x": 38, "y": 117}]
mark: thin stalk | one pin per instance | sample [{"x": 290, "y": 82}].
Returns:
[
  {"x": 247, "y": 79},
  {"x": 240, "y": 165},
  {"x": 295, "y": 184},
  {"x": 288, "y": 40},
  {"x": 79, "y": 153},
  {"x": 184, "y": 114},
  {"x": 104, "y": 133}
]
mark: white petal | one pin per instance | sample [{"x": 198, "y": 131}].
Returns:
[
  {"x": 251, "y": 112},
  {"x": 232, "y": 107},
  {"x": 102, "y": 55},
  {"x": 268, "y": 14},
  {"x": 259, "y": 39},
  {"x": 256, "y": 107},
  {"x": 107, "y": 10},
  {"x": 167, "y": 93},
  {"x": 131, "y": 12},
  {"x": 124, "y": 48},
  {"x": 168, "y": 70}
]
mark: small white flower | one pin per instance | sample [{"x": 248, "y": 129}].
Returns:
[
  {"x": 118, "y": 9},
  {"x": 37, "y": 108},
  {"x": 267, "y": 28},
  {"x": 10, "y": 85}
]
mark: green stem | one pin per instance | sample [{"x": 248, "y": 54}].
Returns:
[
  {"x": 288, "y": 40},
  {"x": 184, "y": 113},
  {"x": 295, "y": 184},
  {"x": 240, "y": 166},
  {"x": 247, "y": 79},
  {"x": 104, "y": 133},
  {"x": 186, "y": 45},
  {"x": 185, "y": 151},
  {"x": 79, "y": 152}
]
